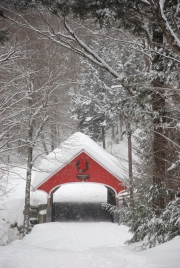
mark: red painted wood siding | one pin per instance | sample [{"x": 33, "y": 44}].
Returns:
[{"x": 68, "y": 174}]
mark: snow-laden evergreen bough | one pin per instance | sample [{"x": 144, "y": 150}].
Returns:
[{"x": 146, "y": 227}]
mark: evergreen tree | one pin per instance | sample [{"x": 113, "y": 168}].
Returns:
[{"x": 93, "y": 104}]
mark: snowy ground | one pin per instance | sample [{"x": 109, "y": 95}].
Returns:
[{"x": 84, "y": 245}]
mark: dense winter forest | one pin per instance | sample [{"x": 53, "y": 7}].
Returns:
[{"x": 98, "y": 67}]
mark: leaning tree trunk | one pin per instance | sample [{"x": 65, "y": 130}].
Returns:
[{"x": 159, "y": 118}]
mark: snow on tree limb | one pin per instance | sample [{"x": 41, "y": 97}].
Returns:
[{"x": 169, "y": 32}]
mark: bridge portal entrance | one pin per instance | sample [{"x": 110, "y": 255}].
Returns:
[{"x": 80, "y": 202}]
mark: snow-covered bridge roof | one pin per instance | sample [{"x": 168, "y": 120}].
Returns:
[{"x": 67, "y": 151}]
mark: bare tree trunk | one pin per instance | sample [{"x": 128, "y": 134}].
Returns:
[
  {"x": 120, "y": 128},
  {"x": 113, "y": 134},
  {"x": 29, "y": 161},
  {"x": 8, "y": 156},
  {"x": 28, "y": 180},
  {"x": 159, "y": 147},
  {"x": 159, "y": 118},
  {"x": 52, "y": 137},
  {"x": 130, "y": 159},
  {"x": 103, "y": 138},
  {"x": 19, "y": 146},
  {"x": 44, "y": 144}
]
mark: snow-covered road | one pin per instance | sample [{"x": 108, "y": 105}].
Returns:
[
  {"x": 81, "y": 245},
  {"x": 76, "y": 244}
]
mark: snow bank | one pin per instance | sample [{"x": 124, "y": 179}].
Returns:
[{"x": 165, "y": 255}]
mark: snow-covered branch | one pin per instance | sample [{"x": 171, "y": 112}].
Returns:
[
  {"x": 7, "y": 56},
  {"x": 174, "y": 166},
  {"x": 171, "y": 36}
]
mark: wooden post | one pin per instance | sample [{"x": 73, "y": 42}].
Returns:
[
  {"x": 111, "y": 197},
  {"x": 116, "y": 215},
  {"x": 48, "y": 201},
  {"x": 49, "y": 210},
  {"x": 117, "y": 201}
]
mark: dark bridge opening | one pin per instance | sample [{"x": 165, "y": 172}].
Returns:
[
  {"x": 80, "y": 212},
  {"x": 80, "y": 202}
]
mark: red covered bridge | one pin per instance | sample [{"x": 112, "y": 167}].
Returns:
[{"x": 78, "y": 159}]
